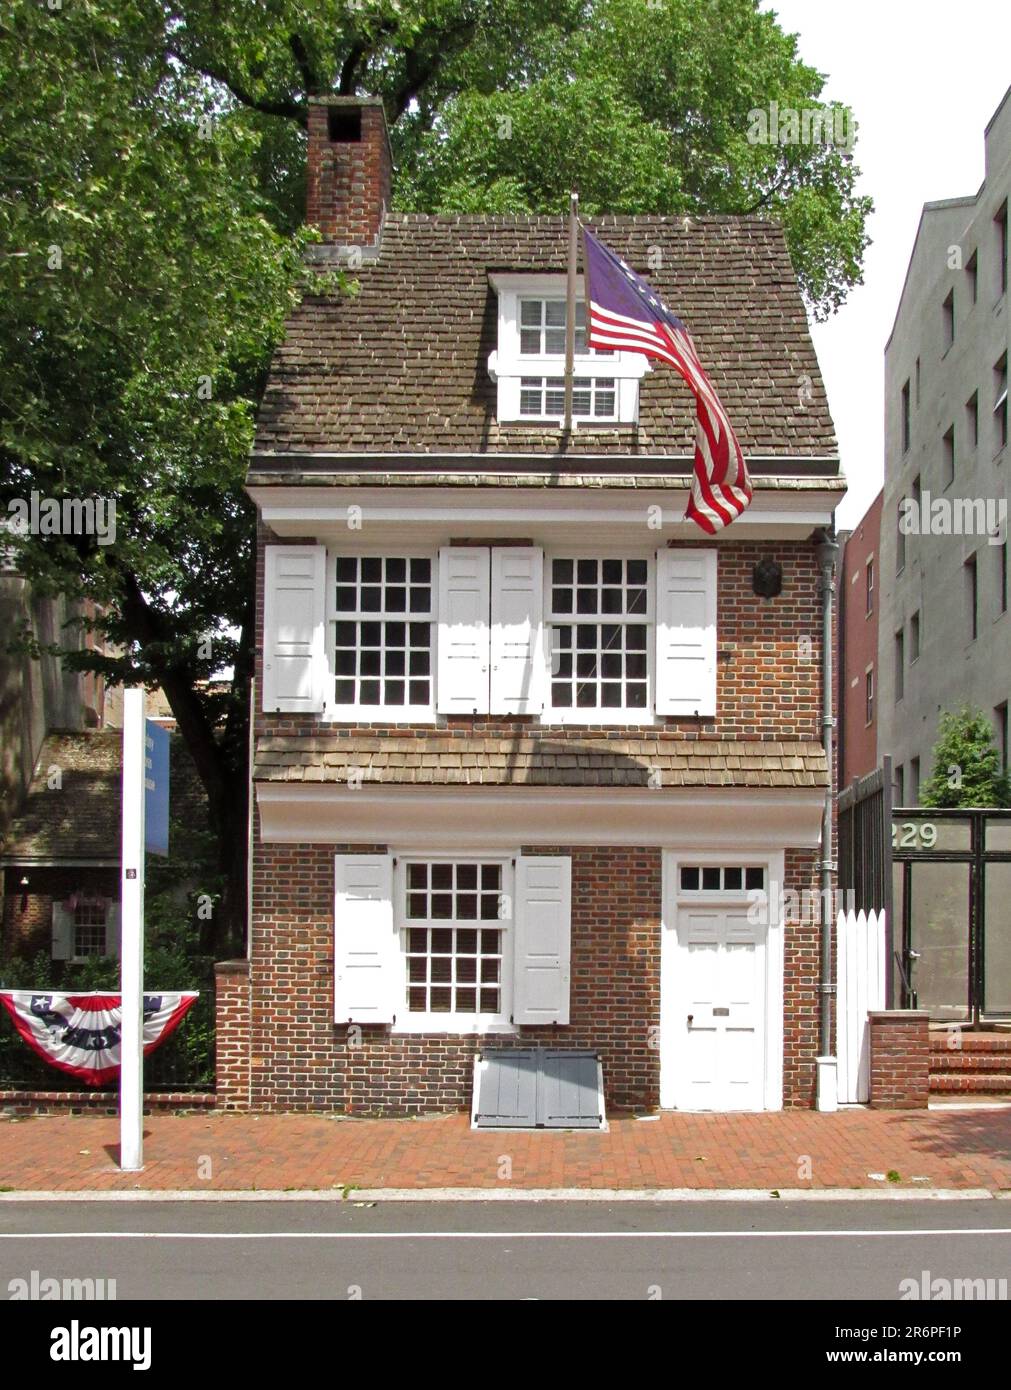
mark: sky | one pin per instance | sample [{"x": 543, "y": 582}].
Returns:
[{"x": 889, "y": 60}]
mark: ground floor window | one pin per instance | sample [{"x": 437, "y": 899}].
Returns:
[
  {"x": 89, "y": 929},
  {"x": 455, "y": 940}
]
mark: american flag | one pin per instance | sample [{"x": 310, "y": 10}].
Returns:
[{"x": 627, "y": 314}]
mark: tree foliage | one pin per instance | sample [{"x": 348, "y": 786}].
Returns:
[{"x": 967, "y": 764}]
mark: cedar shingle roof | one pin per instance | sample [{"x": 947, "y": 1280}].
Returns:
[
  {"x": 403, "y": 365},
  {"x": 443, "y": 758}
]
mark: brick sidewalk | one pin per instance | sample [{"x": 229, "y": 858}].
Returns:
[{"x": 793, "y": 1149}]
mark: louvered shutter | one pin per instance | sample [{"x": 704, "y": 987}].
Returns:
[
  {"x": 517, "y": 632},
  {"x": 686, "y": 631},
  {"x": 366, "y": 951},
  {"x": 542, "y": 945},
  {"x": 63, "y": 933},
  {"x": 113, "y": 927},
  {"x": 294, "y": 650},
  {"x": 464, "y": 580}
]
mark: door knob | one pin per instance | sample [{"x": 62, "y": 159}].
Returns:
[{"x": 690, "y": 1017}]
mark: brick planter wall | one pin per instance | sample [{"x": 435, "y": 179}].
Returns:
[
  {"x": 100, "y": 1102},
  {"x": 231, "y": 1024},
  {"x": 900, "y": 1059}
]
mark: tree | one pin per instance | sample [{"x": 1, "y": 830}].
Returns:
[
  {"x": 967, "y": 770},
  {"x": 151, "y": 195}
]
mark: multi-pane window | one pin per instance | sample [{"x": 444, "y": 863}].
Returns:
[
  {"x": 383, "y": 631},
  {"x": 542, "y": 329},
  {"x": 869, "y": 695},
  {"x": 592, "y": 397},
  {"x": 89, "y": 929},
  {"x": 599, "y": 629},
  {"x": 454, "y": 938},
  {"x": 722, "y": 878}
]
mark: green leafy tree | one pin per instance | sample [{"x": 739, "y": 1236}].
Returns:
[{"x": 967, "y": 770}]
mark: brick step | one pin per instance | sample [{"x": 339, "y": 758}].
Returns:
[
  {"x": 997, "y": 1043},
  {"x": 973, "y": 1082},
  {"x": 970, "y": 1061}
]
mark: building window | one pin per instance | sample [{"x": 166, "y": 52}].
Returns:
[
  {"x": 455, "y": 940},
  {"x": 600, "y": 617},
  {"x": 904, "y": 418},
  {"x": 972, "y": 419},
  {"x": 722, "y": 878},
  {"x": 917, "y": 383},
  {"x": 948, "y": 320},
  {"x": 1001, "y": 727},
  {"x": 869, "y": 572},
  {"x": 869, "y": 695},
  {"x": 1000, "y": 223},
  {"x": 382, "y": 627},
  {"x": 972, "y": 596},
  {"x": 948, "y": 456},
  {"x": 1000, "y": 401},
  {"x": 542, "y": 329},
  {"x": 914, "y": 781},
  {"x": 900, "y": 544},
  {"x": 972, "y": 275},
  {"x": 900, "y": 665},
  {"x": 899, "y": 790},
  {"x": 914, "y": 637},
  {"x": 89, "y": 929},
  {"x": 544, "y": 397},
  {"x": 1002, "y": 578}
]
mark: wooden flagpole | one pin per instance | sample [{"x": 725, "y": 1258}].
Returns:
[{"x": 570, "y": 307}]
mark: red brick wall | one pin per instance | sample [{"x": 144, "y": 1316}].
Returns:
[
  {"x": 231, "y": 1034},
  {"x": 348, "y": 183},
  {"x": 859, "y": 645},
  {"x": 900, "y": 1059}
]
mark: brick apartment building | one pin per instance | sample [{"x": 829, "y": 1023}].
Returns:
[
  {"x": 860, "y": 586},
  {"x": 524, "y": 740}
]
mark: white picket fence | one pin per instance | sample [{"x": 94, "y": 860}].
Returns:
[{"x": 860, "y": 975}]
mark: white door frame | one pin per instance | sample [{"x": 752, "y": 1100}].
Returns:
[{"x": 774, "y": 861}]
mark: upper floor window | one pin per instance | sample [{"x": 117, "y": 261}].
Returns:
[
  {"x": 1000, "y": 223},
  {"x": 528, "y": 364},
  {"x": 1000, "y": 401},
  {"x": 904, "y": 418},
  {"x": 600, "y": 615},
  {"x": 948, "y": 321},
  {"x": 382, "y": 632},
  {"x": 869, "y": 590},
  {"x": 972, "y": 419},
  {"x": 972, "y": 274},
  {"x": 948, "y": 456}
]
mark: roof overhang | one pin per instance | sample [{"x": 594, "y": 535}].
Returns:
[{"x": 504, "y": 817}]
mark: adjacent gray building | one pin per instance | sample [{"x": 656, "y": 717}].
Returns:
[{"x": 944, "y": 630}]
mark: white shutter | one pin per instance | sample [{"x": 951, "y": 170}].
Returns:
[
  {"x": 686, "y": 632},
  {"x": 113, "y": 919},
  {"x": 517, "y": 631},
  {"x": 542, "y": 945},
  {"x": 366, "y": 950},
  {"x": 63, "y": 933},
  {"x": 464, "y": 577},
  {"x": 294, "y": 652}
]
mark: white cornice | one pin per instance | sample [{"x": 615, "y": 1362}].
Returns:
[{"x": 503, "y": 817}]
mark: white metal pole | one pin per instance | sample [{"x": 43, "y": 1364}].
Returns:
[{"x": 131, "y": 1074}]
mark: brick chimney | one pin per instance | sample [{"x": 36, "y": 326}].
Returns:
[{"x": 350, "y": 169}]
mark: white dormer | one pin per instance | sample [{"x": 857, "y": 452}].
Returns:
[{"x": 529, "y": 363}]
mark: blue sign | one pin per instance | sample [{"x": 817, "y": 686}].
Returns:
[{"x": 156, "y": 788}]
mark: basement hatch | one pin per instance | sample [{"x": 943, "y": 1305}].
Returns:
[{"x": 538, "y": 1088}]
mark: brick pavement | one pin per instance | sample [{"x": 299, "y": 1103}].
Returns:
[{"x": 792, "y": 1149}]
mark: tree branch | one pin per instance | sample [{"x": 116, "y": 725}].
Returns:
[
  {"x": 300, "y": 53},
  {"x": 284, "y": 106}
]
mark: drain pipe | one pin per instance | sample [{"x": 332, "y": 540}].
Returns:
[{"x": 828, "y": 1091}]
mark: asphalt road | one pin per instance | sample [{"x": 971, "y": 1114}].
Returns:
[{"x": 516, "y": 1250}]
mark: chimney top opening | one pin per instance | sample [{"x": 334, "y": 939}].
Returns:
[{"x": 344, "y": 124}]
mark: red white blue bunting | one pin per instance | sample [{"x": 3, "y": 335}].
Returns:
[{"x": 80, "y": 1033}]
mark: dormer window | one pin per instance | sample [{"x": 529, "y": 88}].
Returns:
[{"x": 529, "y": 363}]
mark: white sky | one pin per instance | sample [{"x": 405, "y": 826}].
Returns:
[{"x": 923, "y": 78}]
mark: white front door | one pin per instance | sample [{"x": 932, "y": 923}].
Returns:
[{"x": 714, "y": 1027}]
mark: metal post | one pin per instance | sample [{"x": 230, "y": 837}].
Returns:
[
  {"x": 570, "y": 307},
  {"x": 827, "y": 1086},
  {"x": 131, "y": 1072}
]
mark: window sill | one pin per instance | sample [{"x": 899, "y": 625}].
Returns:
[{"x": 445, "y": 1024}]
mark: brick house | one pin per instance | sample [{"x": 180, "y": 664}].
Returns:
[{"x": 526, "y": 743}]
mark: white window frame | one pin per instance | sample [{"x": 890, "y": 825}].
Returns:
[
  {"x": 507, "y": 365},
  {"x": 645, "y": 716},
  {"x": 76, "y": 958},
  {"x": 377, "y": 714},
  {"x": 721, "y": 862},
  {"x": 477, "y": 1023}
]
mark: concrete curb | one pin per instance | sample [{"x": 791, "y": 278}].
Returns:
[{"x": 533, "y": 1194}]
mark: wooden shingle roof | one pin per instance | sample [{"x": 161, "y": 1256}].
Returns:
[{"x": 402, "y": 365}]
